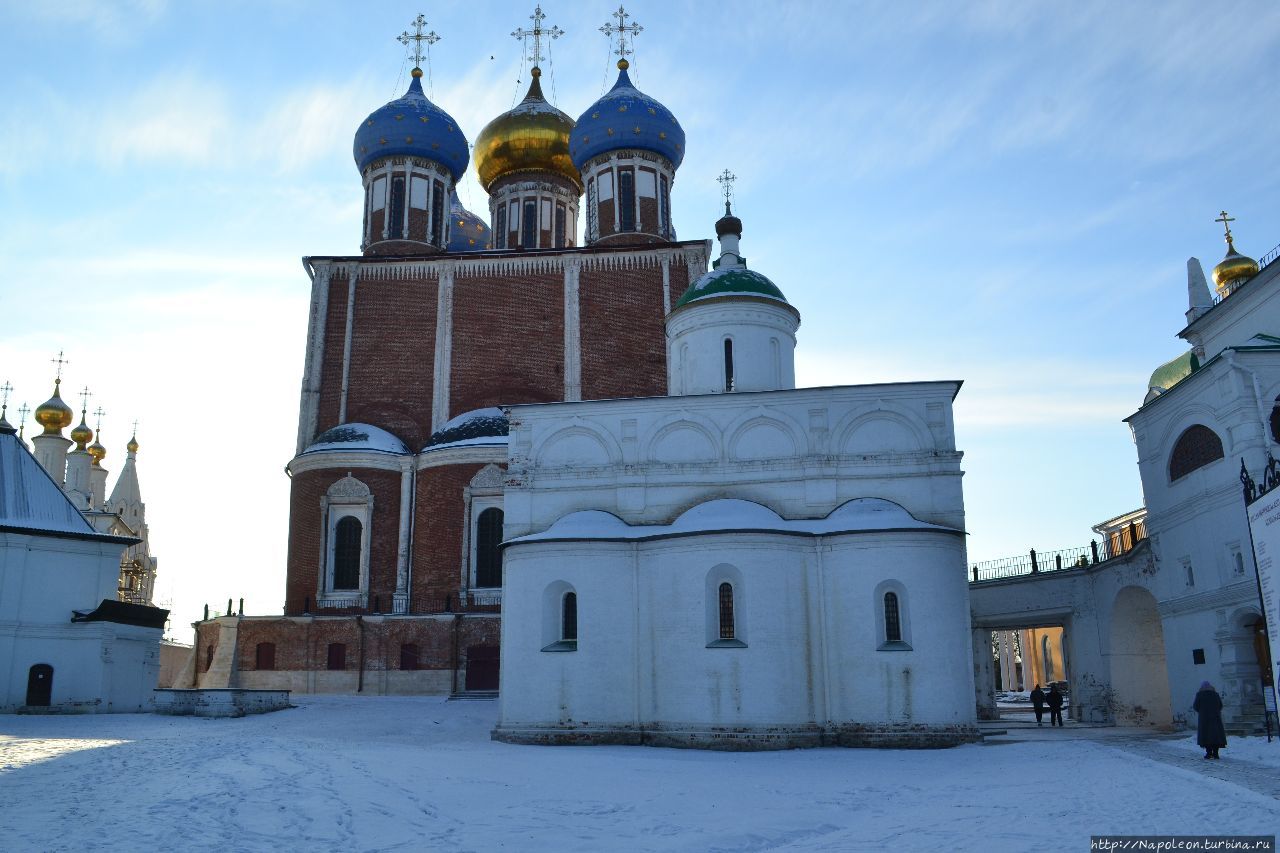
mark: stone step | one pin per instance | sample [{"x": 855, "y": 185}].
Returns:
[{"x": 474, "y": 696}]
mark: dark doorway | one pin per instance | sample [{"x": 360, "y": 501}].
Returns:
[
  {"x": 482, "y": 668},
  {"x": 39, "y": 686},
  {"x": 337, "y": 656}
]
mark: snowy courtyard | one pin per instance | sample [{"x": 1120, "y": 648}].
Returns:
[{"x": 379, "y": 773}]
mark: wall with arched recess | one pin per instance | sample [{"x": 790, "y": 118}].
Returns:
[{"x": 1139, "y": 677}]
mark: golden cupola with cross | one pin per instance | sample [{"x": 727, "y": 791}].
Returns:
[
  {"x": 522, "y": 161},
  {"x": 1235, "y": 269}
]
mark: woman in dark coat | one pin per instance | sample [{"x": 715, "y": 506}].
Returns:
[{"x": 1209, "y": 731}]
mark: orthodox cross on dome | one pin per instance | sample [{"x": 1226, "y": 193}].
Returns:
[
  {"x": 726, "y": 179},
  {"x": 23, "y": 411},
  {"x": 623, "y": 29},
  {"x": 99, "y": 414},
  {"x": 537, "y": 34},
  {"x": 1226, "y": 224},
  {"x": 61, "y": 362},
  {"x": 418, "y": 37},
  {"x": 6, "y": 389},
  {"x": 85, "y": 394}
]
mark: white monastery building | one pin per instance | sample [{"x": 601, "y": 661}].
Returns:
[{"x": 740, "y": 564}]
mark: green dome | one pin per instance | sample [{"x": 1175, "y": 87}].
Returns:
[
  {"x": 735, "y": 280},
  {"x": 1172, "y": 372}
]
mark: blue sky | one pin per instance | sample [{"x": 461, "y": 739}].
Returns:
[{"x": 1000, "y": 192}]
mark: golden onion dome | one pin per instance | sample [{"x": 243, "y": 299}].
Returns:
[
  {"x": 132, "y": 446},
  {"x": 81, "y": 435},
  {"x": 533, "y": 136},
  {"x": 1233, "y": 270},
  {"x": 98, "y": 452},
  {"x": 53, "y": 414}
]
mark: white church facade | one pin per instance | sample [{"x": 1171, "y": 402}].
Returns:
[{"x": 740, "y": 564}]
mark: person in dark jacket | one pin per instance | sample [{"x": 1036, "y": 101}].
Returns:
[
  {"x": 1210, "y": 733},
  {"x": 1037, "y": 702},
  {"x": 1055, "y": 705}
]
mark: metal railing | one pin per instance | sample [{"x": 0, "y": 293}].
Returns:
[{"x": 1117, "y": 543}]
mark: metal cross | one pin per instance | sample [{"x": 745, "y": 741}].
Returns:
[
  {"x": 22, "y": 418},
  {"x": 1226, "y": 220},
  {"x": 99, "y": 414},
  {"x": 135, "y": 428},
  {"x": 60, "y": 361},
  {"x": 85, "y": 394},
  {"x": 726, "y": 180},
  {"x": 6, "y": 389},
  {"x": 537, "y": 33},
  {"x": 622, "y": 29},
  {"x": 419, "y": 24}
]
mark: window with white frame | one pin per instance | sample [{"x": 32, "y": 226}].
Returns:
[
  {"x": 726, "y": 622},
  {"x": 347, "y": 510},
  {"x": 488, "y": 553},
  {"x": 892, "y": 617},
  {"x": 560, "y": 617}
]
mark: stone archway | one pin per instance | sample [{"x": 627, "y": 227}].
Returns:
[{"x": 1139, "y": 676}]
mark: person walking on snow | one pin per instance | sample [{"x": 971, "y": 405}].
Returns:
[
  {"x": 1055, "y": 706},
  {"x": 1037, "y": 702},
  {"x": 1210, "y": 733}
]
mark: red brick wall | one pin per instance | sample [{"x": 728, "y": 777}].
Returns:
[
  {"x": 304, "y": 644},
  {"x": 437, "y": 536},
  {"x": 306, "y": 533},
  {"x": 392, "y": 358},
  {"x": 623, "y": 336},
  {"x": 335, "y": 330},
  {"x": 508, "y": 341}
]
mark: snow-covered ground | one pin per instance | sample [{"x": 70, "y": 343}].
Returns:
[{"x": 354, "y": 773}]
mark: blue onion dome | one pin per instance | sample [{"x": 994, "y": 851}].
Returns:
[
  {"x": 412, "y": 126},
  {"x": 625, "y": 117},
  {"x": 467, "y": 232}
]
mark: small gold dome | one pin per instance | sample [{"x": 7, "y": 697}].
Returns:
[
  {"x": 1233, "y": 271},
  {"x": 533, "y": 136},
  {"x": 98, "y": 452},
  {"x": 53, "y": 414},
  {"x": 81, "y": 435},
  {"x": 132, "y": 446}
]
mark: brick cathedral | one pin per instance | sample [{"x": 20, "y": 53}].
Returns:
[{"x": 394, "y": 577}]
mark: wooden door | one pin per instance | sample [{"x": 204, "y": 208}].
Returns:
[{"x": 482, "y": 668}]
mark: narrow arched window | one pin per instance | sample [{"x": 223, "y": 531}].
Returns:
[
  {"x": 346, "y": 553},
  {"x": 728, "y": 364},
  {"x": 409, "y": 657},
  {"x": 500, "y": 228},
  {"x": 626, "y": 200},
  {"x": 569, "y": 617},
  {"x": 892, "y": 624},
  {"x": 395, "y": 228},
  {"x": 265, "y": 656},
  {"x": 592, "y": 213},
  {"x": 561, "y": 219},
  {"x": 1194, "y": 449},
  {"x": 726, "y": 611},
  {"x": 664, "y": 207},
  {"x": 488, "y": 554},
  {"x": 437, "y": 213},
  {"x": 529, "y": 224},
  {"x": 337, "y": 656}
]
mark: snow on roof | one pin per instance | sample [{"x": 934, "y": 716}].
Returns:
[
  {"x": 727, "y": 515},
  {"x": 478, "y": 427},
  {"x": 357, "y": 436},
  {"x": 29, "y": 497}
]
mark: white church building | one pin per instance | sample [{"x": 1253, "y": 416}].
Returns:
[
  {"x": 741, "y": 564},
  {"x": 66, "y": 643}
]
